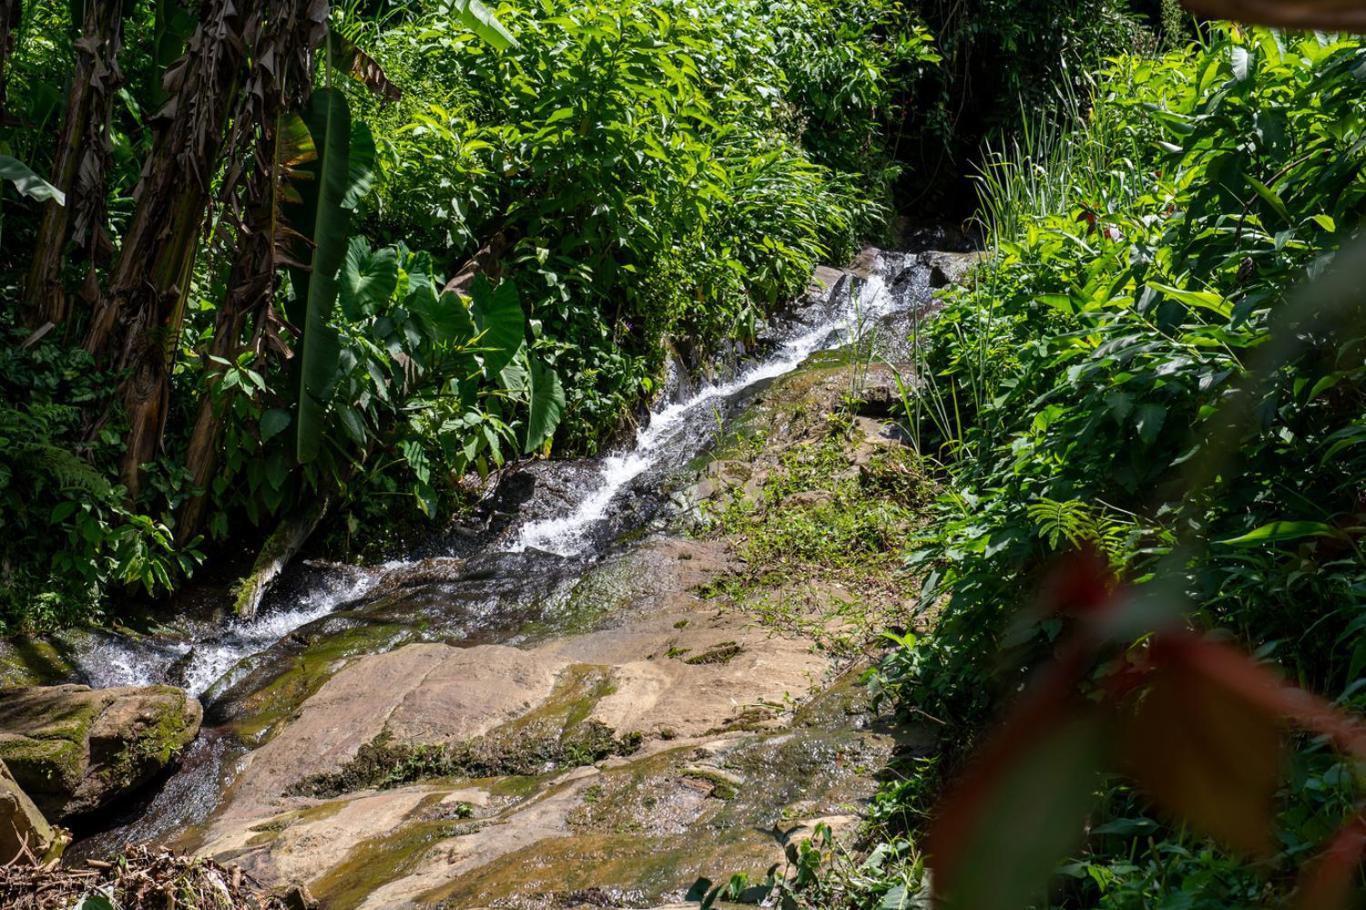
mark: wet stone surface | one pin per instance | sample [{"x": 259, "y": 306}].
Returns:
[{"x": 545, "y": 615}]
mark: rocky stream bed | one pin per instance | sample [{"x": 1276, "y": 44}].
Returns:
[{"x": 550, "y": 706}]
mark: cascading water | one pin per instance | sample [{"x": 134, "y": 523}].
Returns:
[
  {"x": 568, "y": 535},
  {"x": 117, "y": 660},
  {"x": 674, "y": 434}
]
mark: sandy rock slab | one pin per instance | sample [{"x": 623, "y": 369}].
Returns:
[
  {"x": 647, "y": 829},
  {"x": 74, "y": 749},
  {"x": 737, "y": 736}
]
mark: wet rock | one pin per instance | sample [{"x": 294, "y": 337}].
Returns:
[
  {"x": 950, "y": 268},
  {"x": 75, "y": 749},
  {"x": 300, "y": 898},
  {"x": 23, "y": 829},
  {"x": 878, "y": 390}
]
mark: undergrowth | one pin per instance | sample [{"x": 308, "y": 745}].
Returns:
[{"x": 1142, "y": 254}]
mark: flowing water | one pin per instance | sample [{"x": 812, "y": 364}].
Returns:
[{"x": 549, "y": 522}]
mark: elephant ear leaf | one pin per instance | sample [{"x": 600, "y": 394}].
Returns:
[
  {"x": 502, "y": 327},
  {"x": 368, "y": 278},
  {"x": 547, "y": 405},
  {"x": 29, "y": 183},
  {"x": 321, "y": 217}
]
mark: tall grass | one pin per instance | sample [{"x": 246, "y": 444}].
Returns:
[{"x": 1071, "y": 161}]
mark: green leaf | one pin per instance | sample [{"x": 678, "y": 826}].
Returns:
[
  {"x": 1149, "y": 418},
  {"x": 273, "y": 423},
  {"x": 448, "y": 317},
  {"x": 479, "y": 19},
  {"x": 502, "y": 327},
  {"x": 1199, "y": 299},
  {"x": 1326, "y": 222},
  {"x": 327, "y": 222},
  {"x": 29, "y": 183},
  {"x": 1270, "y": 197},
  {"x": 547, "y": 405},
  {"x": 1280, "y": 532},
  {"x": 361, "y": 170},
  {"x": 368, "y": 278},
  {"x": 1242, "y": 64}
]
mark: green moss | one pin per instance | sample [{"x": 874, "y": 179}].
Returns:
[
  {"x": 262, "y": 712},
  {"x": 723, "y": 653},
  {"x": 557, "y": 734},
  {"x": 373, "y": 863},
  {"x": 29, "y": 661},
  {"x": 154, "y": 748}
]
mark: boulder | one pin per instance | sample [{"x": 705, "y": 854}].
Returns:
[
  {"x": 21, "y": 824},
  {"x": 74, "y": 749},
  {"x": 950, "y": 268}
]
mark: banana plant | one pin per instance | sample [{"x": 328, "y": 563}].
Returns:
[
  {"x": 28, "y": 183},
  {"x": 331, "y": 187}
]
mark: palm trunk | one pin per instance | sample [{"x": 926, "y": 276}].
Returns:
[
  {"x": 81, "y": 166},
  {"x": 11, "y": 14}
]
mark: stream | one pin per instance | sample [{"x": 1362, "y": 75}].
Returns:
[{"x": 508, "y": 577}]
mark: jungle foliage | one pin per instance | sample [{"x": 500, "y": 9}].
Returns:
[
  {"x": 1134, "y": 372},
  {"x": 295, "y": 262}
]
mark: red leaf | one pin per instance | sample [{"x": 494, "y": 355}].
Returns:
[
  {"x": 1205, "y": 752},
  {"x": 1236, "y": 672},
  {"x": 1000, "y": 832},
  {"x": 1328, "y": 882},
  {"x": 1082, "y": 583}
]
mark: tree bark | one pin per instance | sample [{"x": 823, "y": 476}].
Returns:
[
  {"x": 80, "y": 168},
  {"x": 136, "y": 323},
  {"x": 293, "y": 34},
  {"x": 11, "y": 15}
]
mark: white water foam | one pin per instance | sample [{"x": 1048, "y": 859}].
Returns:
[
  {"x": 122, "y": 661},
  {"x": 568, "y": 535}
]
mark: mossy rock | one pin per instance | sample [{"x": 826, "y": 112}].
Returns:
[
  {"x": 23, "y": 830},
  {"x": 74, "y": 749}
]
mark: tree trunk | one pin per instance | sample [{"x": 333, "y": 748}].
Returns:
[
  {"x": 11, "y": 15},
  {"x": 279, "y": 549},
  {"x": 137, "y": 322},
  {"x": 80, "y": 168},
  {"x": 294, "y": 32}
]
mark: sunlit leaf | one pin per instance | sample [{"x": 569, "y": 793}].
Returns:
[
  {"x": 27, "y": 182},
  {"x": 1279, "y": 532},
  {"x": 546, "y": 406}
]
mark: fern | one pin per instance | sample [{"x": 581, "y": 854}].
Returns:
[
  {"x": 30, "y": 451},
  {"x": 1077, "y": 524},
  {"x": 65, "y": 468}
]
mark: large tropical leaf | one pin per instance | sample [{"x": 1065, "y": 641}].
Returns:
[
  {"x": 360, "y": 177},
  {"x": 547, "y": 405},
  {"x": 368, "y": 278},
  {"x": 479, "y": 19},
  {"x": 502, "y": 327},
  {"x": 27, "y": 182},
  {"x": 323, "y": 218}
]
